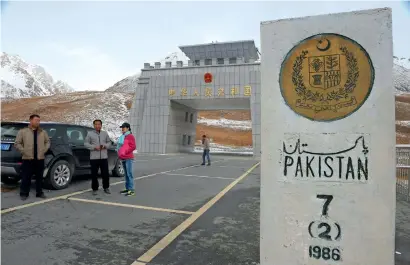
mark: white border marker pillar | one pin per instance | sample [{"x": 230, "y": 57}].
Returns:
[{"x": 328, "y": 186}]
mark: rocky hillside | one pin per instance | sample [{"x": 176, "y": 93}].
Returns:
[
  {"x": 128, "y": 84},
  {"x": 401, "y": 79},
  {"x": 20, "y": 79},
  {"x": 78, "y": 108}
]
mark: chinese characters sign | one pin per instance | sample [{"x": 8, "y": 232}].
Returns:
[{"x": 209, "y": 92}]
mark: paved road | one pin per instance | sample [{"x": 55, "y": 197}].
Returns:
[{"x": 182, "y": 214}]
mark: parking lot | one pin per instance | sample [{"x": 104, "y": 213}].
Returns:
[{"x": 182, "y": 214}]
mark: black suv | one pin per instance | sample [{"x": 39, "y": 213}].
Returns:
[{"x": 66, "y": 157}]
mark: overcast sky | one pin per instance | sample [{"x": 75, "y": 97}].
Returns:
[{"x": 92, "y": 45}]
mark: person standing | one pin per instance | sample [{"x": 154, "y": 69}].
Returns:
[
  {"x": 33, "y": 143},
  {"x": 98, "y": 142},
  {"x": 125, "y": 148},
  {"x": 205, "y": 145}
]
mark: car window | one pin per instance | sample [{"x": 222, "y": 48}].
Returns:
[
  {"x": 76, "y": 135},
  {"x": 10, "y": 130},
  {"x": 51, "y": 130}
]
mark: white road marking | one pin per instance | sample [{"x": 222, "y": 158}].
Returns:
[
  {"x": 197, "y": 176},
  {"x": 131, "y": 206},
  {"x": 11, "y": 209}
]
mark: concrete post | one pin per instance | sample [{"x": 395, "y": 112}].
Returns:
[{"x": 328, "y": 134}]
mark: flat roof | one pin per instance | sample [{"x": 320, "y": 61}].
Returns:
[{"x": 243, "y": 49}]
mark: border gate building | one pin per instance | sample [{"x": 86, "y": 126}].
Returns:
[{"x": 219, "y": 76}]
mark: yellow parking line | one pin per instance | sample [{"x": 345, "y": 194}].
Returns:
[
  {"x": 11, "y": 209},
  {"x": 131, "y": 206},
  {"x": 165, "y": 241}
]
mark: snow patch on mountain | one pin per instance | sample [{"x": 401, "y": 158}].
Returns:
[
  {"x": 402, "y": 61},
  {"x": 127, "y": 85},
  {"x": 20, "y": 79},
  {"x": 401, "y": 79},
  {"x": 174, "y": 57},
  {"x": 224, "y": 123}
]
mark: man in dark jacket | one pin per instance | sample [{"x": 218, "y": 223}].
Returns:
[
  {"x": 32, "y": 142},
  {"x": 98, "y": 142}
]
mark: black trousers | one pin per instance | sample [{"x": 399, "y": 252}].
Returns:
[
  {"x": 101, "y": 164},
  {"x": 28, "y": 169}
]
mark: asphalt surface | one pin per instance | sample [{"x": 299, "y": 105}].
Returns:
[{"x": 83, "y": 229}]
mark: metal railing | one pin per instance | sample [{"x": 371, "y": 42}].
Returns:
[{"x": 403, "y": 171}]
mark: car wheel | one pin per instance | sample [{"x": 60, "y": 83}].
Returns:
[
  {"x": 9, "y": 181},
  {"x": 118, "y": 169},
  {"x": 60, "y": 175}
]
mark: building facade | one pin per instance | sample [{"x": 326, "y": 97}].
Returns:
[{"x": 219, "y": 76}]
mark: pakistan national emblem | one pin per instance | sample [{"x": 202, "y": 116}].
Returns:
[{"x": 326, "y": 77}]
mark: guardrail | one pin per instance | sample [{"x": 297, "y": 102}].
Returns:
[{"x": 403, "y": 171}]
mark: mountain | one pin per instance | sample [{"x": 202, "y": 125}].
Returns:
[
  {"x": 401, "y": 76},
  {"x": 20, "y": 79},
  {"x": 402, "y": 61},
  {"x": 75, "y": 108},
  {"x": 128, "y": 84}
]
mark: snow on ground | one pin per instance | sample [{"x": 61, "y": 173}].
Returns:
[
  {"x": 223, "y": 149},
  {"x": 218, "y": 148},
  {"x": 224, "y": 123},
  {"x": 403, "y": 123}
]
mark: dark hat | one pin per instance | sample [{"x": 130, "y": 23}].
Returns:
[{"x": 125, "y": 125}]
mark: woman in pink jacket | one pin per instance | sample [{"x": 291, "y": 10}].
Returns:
[{"x": 125, "y": 148}]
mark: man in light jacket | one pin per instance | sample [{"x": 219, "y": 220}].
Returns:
[
  {"x": 33, "y": 143},
  {"x": 98, "y": 142}
]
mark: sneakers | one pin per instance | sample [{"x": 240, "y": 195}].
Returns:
[
  {"x": 107, "y": 191},
  {"x": 123, "y": 192},
  {"x": 209, "y": 164},
  {"x": 130, "y": 193},
  {"x": 23, "y": 197},
  {"x": 95, "y": 192}
]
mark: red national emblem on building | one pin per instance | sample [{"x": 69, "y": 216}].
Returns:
[{"x": 208, "y": 78}]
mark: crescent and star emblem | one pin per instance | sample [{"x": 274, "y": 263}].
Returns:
[{"x": 323, "y": 45}]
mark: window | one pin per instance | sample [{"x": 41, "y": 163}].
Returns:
[
  {"x": 196, "y": 63},
  {"x": 189, "y": 139},
  {"x": 10, "y": 130},
  {"x": 221, "y": 60},
  {"x": 191, "y": 118},
  {"x": 208, "y": 61},
  {"x": 75, "y": 135},
  {"x": 186, "y": 116},
  {"x": 52, "y": 130},
  {"x": 183, "y": 139},
  {"x": 232, "y": 60}
]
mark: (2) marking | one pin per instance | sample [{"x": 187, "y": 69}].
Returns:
[
  {"x": 165, "y": 241},
  {"x": 131, "y": 206}
]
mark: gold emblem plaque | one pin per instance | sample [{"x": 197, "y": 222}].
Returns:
[{"x": 326, "y": 77}]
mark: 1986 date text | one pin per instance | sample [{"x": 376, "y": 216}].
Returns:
[{"x": 325, "y": 253}]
